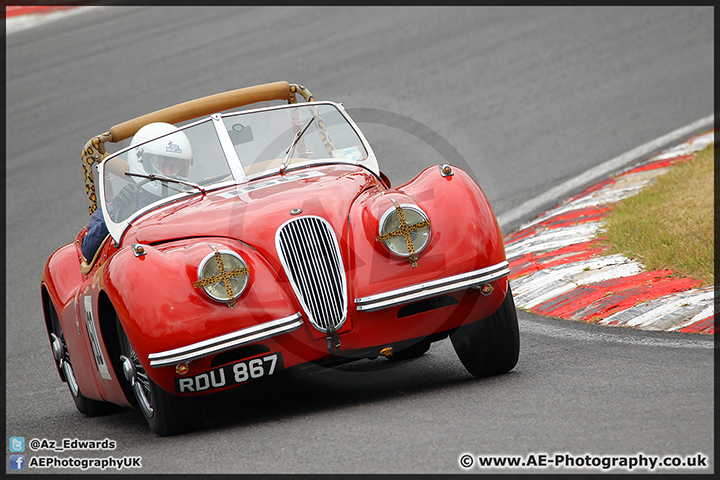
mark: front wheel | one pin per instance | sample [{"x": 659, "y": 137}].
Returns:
[
  {"x": 166, "y": 414},
  {"x": 490, "y": 346}
]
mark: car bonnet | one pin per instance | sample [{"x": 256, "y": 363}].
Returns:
[{"x": 252, "y": 212}]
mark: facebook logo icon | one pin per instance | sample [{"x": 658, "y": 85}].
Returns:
[
  {"x": 17, "y": 462},
  {"x": 17, "y": 444}
]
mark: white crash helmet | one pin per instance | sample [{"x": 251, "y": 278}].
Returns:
[{"x": 170, "y": 155}]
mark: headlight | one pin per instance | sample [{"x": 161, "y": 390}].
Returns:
[
  {"x": 404, "y": 230},
  {"x": 223, "y": 275}
]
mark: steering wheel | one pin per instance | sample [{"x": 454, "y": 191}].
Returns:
[{"x": 125, "y": 202}]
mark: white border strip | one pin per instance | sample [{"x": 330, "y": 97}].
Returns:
[{"x": 592, "y": 175}]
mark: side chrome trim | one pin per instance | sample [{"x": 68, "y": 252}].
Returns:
[
  {"x": 226, "y": 342},
  {"x": 433, "y": 288}
]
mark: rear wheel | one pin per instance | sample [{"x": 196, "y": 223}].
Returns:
[
  {"x": 490, "y": 346},
  {"x": 86, "y": 406},
  {"x": 166, "y": 414}
]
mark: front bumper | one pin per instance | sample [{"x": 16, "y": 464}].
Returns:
[
  {"x": 226, "y": 342},
  {"x": 434, "y": 288}
]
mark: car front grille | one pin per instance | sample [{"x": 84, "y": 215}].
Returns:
[{"x": 310, "y": 254}]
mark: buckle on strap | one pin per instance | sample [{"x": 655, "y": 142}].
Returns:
[{"x": 333, "y": 340}]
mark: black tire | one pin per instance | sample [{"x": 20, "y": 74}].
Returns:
[
  {"x": 86, "y": 406},
  {"x": 413, "y": 351},
  {"x": 166, "y": 414},
  {"x": 490, "y": 346}
]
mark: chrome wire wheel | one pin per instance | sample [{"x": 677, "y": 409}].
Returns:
[
  {"x": 166, "y": 414},
  {"x": 86, "y": 406},
  {"x": 136, "y": 375},
  {"x": 61, "y": 354},
  {"x": 63, "y": 358},
  {"x": 70, "y": 377}
]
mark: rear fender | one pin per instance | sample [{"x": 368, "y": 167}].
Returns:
[
  {"x": 61, "y": 284},
  {"x": 61, "y": 276}
]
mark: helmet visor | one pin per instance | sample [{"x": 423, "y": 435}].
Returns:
[{"x": 167, "y": 165}]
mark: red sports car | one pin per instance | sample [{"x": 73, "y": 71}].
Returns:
[{"x": 236, "y": 245}]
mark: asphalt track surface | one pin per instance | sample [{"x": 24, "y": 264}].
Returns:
[{"x": 525, "y": 99}]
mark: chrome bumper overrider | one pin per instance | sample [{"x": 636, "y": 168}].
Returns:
[
  {"x": 226, "y": 342},
  {"x": 433, "y": 288}
]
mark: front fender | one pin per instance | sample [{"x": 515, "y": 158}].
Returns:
[
  {"x": 465, "y": 234},
  {"x": 161, "y": 310}
]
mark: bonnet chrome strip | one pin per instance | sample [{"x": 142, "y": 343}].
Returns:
[
  {"x": 433, "y": 288},
  {"x": 226, "y": 342}
]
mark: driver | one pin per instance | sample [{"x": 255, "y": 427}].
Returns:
[{"x": 170, "y": 155}]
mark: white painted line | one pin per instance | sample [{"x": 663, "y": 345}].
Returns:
[
  {"x": 695, "y": 145},
  {"x": 599, "y": 171},
  {"x": 552, "y": 239}
]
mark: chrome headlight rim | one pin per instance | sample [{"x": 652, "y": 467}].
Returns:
[
  {"x": 404, "y": 206},
  {"x": 211, "y": 256}
]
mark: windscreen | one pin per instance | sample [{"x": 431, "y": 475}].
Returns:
[{"x": 265, "y": 140}]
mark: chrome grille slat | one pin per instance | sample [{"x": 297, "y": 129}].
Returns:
[
  {"x": 329, "y": 280},
  {"x": 310, "y": 255},
  {"x": 321, "y": 268},
  {"x": 315, "y": 267},
  {"x": 314, "y": 270}
]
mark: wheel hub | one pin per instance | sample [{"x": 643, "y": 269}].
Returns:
[
  {"x": 128, "y": 369},
  {"x": 130, "y": 372},
  {"x": 58, "y": 349},
  {"x": 60, "y": 354}
]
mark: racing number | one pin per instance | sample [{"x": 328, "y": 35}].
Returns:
[{"x": 253, "y": 369}]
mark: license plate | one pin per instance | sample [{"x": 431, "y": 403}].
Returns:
[{"x": 233, "y": 374}]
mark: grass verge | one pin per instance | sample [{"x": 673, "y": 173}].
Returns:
[{"x": 669, "y": 225}]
